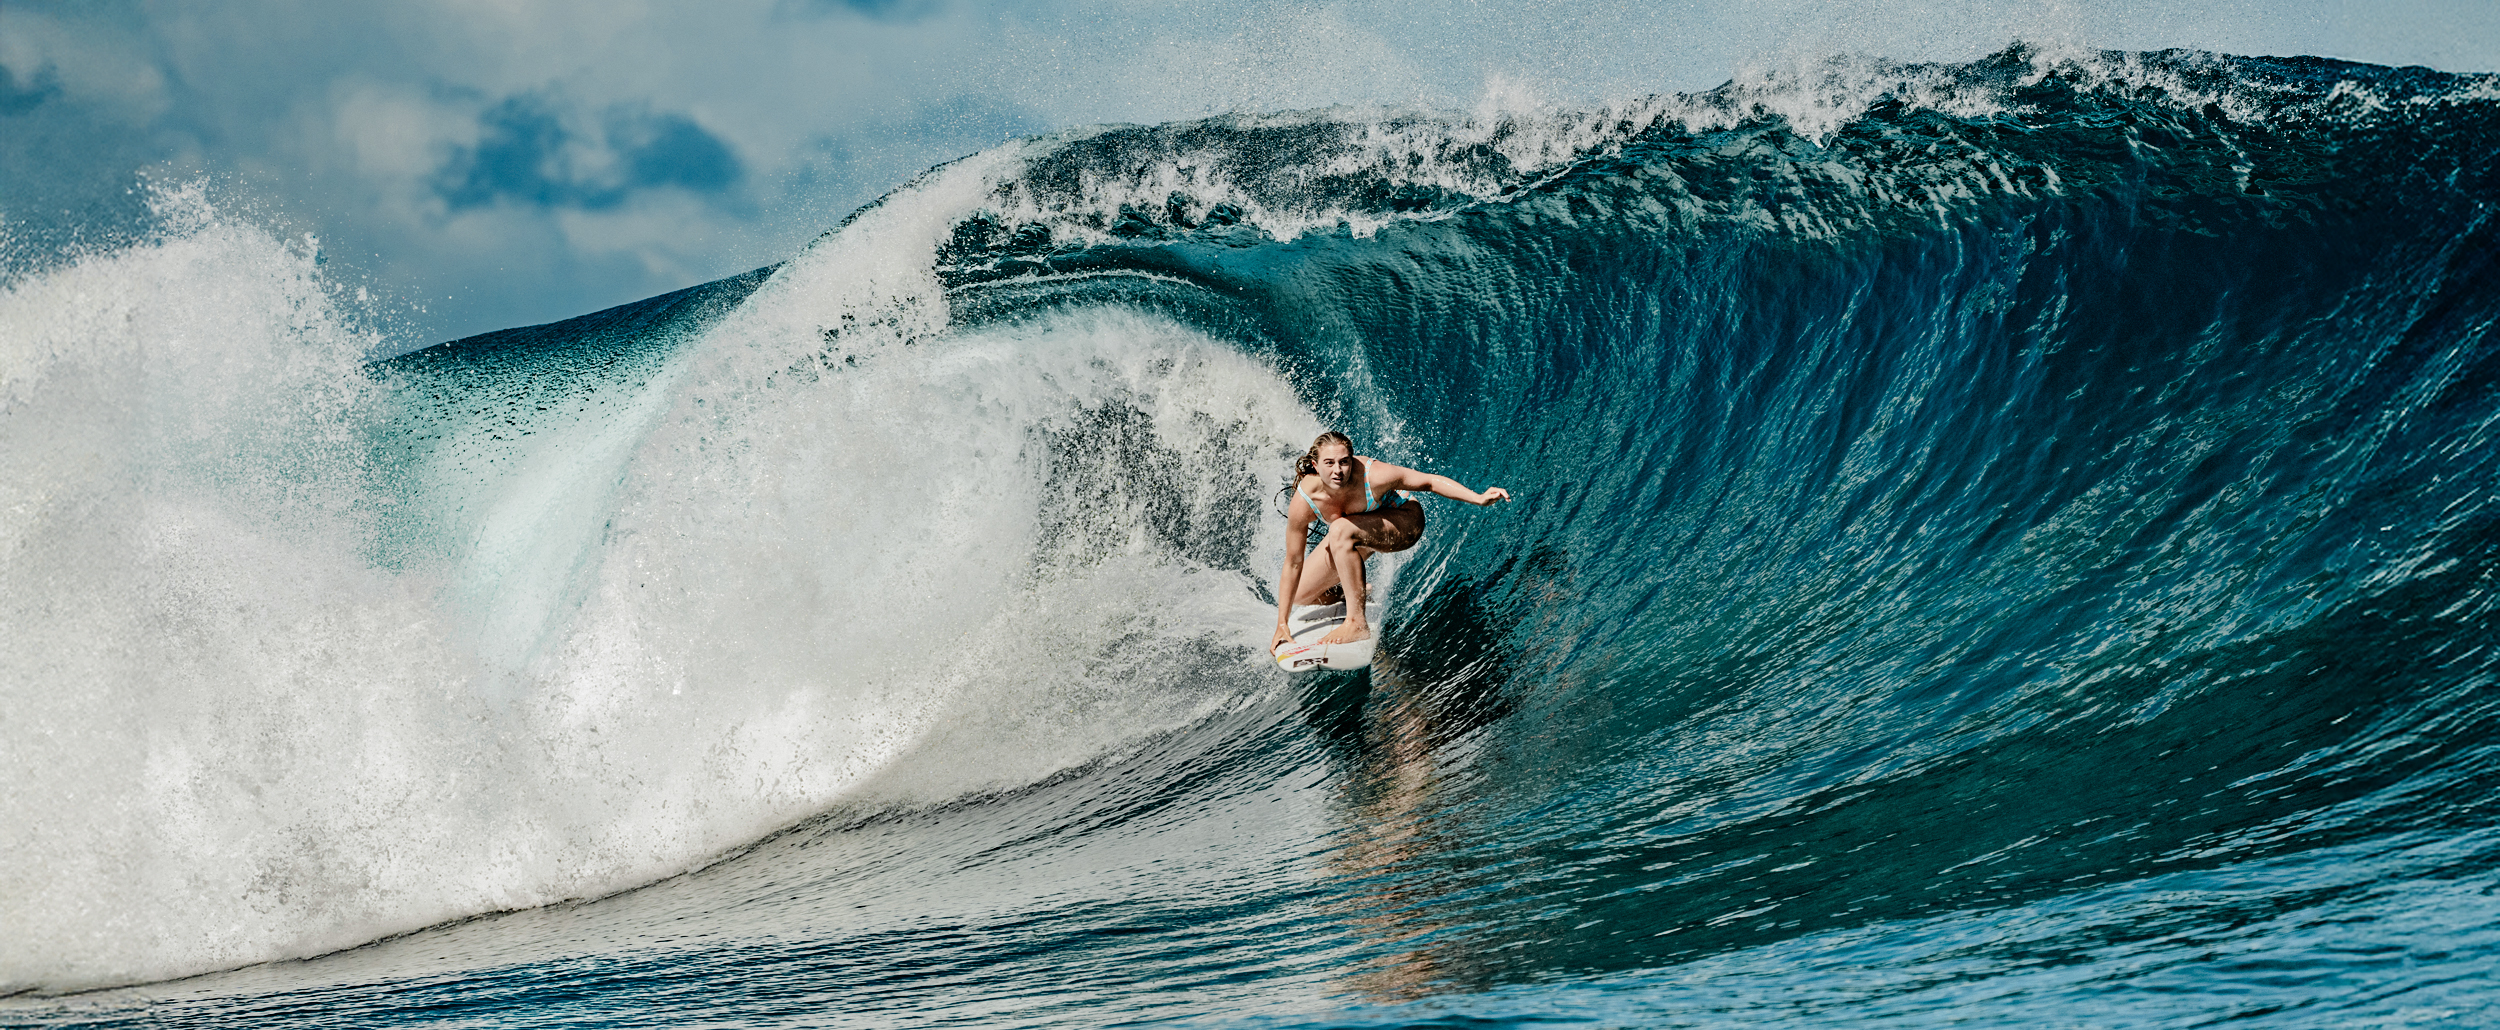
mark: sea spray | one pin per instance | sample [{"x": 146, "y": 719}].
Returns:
[
  {"x": 306, "y": 653},
  {"x": 2012, "y": 527}
]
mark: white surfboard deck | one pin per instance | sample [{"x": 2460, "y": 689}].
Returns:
[{"x": 1305, "y": 653}]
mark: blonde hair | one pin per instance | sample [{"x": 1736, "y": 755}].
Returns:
[{"x": 1308, "y": 463}]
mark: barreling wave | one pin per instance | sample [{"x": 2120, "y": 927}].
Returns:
[{"x": 2023, "y": 527}]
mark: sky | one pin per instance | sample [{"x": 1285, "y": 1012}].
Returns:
[{"x": 480, "y": 164}]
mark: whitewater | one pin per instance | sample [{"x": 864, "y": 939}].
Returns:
[{"x": 2007, "y": 543}]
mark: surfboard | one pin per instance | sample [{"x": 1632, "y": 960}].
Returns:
[{"x": 1304, "y": 653}]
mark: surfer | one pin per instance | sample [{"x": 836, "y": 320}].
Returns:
[{"x": 1359, "y": 500}]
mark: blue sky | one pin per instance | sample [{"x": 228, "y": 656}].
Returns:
[{"x": 488, "y": 163}]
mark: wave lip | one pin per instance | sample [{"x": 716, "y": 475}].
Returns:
[
  {"x": 1953, "y": 487},
  {"x": 1969, "y": 513},
  {"x": 556, "y": 613}
]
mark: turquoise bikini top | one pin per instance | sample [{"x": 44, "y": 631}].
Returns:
[{"x": 1394, "y": 499}]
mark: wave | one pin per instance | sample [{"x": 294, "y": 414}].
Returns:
[{"x": 2039, "y": 505}]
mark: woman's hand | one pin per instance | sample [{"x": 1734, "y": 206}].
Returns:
[
  {"x": 1280, "y": 639},
  {"x": 1493, "y": 494}
]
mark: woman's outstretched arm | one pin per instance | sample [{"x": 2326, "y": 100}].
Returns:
[{"x": 1399, "y": 477}]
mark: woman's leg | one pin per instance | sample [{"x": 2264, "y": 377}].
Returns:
[
  {"x": 1319, "y": 577},
  {"x": 1351, "y": 540},
  {"x": 1394, "y": 529}
]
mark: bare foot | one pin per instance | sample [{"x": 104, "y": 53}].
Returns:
[{"x": 1346, "y": 633}]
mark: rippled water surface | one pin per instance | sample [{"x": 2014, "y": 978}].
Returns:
[{"x": 2006, "y": 544}]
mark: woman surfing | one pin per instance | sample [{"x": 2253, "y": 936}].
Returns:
[{"x": 1360, "y": 501}]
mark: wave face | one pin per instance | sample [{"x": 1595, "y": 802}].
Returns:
[{"x": 2006, "y": 543}]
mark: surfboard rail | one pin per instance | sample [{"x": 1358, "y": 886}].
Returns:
[{"x": 1304, "y": 653}]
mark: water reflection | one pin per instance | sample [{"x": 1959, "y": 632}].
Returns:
[
  {"x": 1392, "y": 728},
  {"x": 1385, "y": 902}
]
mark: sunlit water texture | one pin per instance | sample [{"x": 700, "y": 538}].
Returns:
[{"x": 2006, "y": 544}]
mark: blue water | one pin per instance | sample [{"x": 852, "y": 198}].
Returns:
[{"x": 2005, "y": 544}]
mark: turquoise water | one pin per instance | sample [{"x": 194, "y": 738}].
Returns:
[{"x": 1997, "y": 544}]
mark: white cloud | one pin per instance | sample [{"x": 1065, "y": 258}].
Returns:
[
  {"x": 354, "y": 118},
  {"x": 396, "y": 133},
  {"x": 107, "y": 72},
  {"x": 666, "y": 238}
]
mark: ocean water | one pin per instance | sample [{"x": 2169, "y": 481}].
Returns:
[{"x": 1999, "y": 544}]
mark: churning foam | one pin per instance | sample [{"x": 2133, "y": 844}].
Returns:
[{"x": 886, "y": 570}]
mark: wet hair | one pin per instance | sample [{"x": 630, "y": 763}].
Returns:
[{"x": 1308, "y": 465}]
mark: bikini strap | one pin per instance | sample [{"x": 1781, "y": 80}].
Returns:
[{"x": 1370, "y": 503}]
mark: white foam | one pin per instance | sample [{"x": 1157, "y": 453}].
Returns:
[
  {"x": 838, "y": 554},
  {"x": 1538, "y": 138},
  {"x": 790, "y": 577}
]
